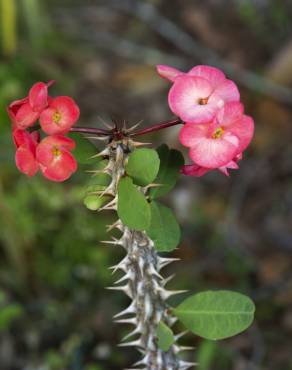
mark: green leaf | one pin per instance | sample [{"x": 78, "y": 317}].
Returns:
[
  {"x": 171, "y": 161},
  {"x": 164, "y": 229},
  {"x": 165, "y": 336},
  {"x": 216, "y": 314},
  {"x": 133, "y": 208},
  {"x": 94, "y": 202},
  {"x": 143, "y": 166},
  {"x": 84, "y": 148}
]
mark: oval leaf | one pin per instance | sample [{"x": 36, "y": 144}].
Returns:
[
  {"x": 216, "y": 314},
  {"x": 164, "y": 229},
  {"x": 143, "y": 166},
  {"x": 133, "y": 208},
  {"x": 171, "y": 161},
  {"x": 165, "y": 336},
  {"x": 84, "y": 149}
]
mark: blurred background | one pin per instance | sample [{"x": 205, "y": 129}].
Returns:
[{"x": 237, "y": 232}]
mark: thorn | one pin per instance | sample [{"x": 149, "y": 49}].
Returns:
[
  {"x": 169, "y": 293},
  {"x": 162, "y": 262},
  {"x": 129, "y": 310},
  {"x": 107, "y": 125},
  {"x": 134, "y": 332},
  {"x": 123, "y": 265},
  {"x": 183, "y": 365},
  {"x": 138, "y": 143},
  {"x": 132, "y": 321},
  {"x": 114, "y": 241},
  {"x": 125, "y": 288},
  {"x": 128, "y": 276},
  {"x": 116, "y": 225},
  {"x": 132, "y": 128},
  {"x": 103, "y": 153},
  {"x": 101, "y": 138},
  {"x": 167, "y": 280},
  {"x": 152, "y": 186},
  {"x": 135, "y": 343},
  {"x": 180, "y": 335}
]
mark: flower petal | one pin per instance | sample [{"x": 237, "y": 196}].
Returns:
[
  {"x": 194, "y": 170},
  {"x": 214, "y": 153},
  {"x": 212, "y": 74},
  {"x": 230, "y": 113},
  {"x": 38, "y": 96},
  {"x": 167, "y": 72},
  {"x": 61, "y": 168},
  {"x": 60, "y": 116},
  {"x": 25, "y": 161},
  {"x": 227, "y": 91},
  {"x": 190, "y": 134},
  {"x": 244, "y": 130},
  {"x": 185, "y": 96}
]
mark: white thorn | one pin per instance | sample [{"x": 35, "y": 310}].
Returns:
[
  {"x": 180, "y": 335},
  {"x": 183, "y": 365},
  {"x": 162, "y": 262},
  {"x": 132, "y": 128},
  {"x": 168, "y": 279},
  {"x": 123, "y": 265},
  {"x": 129, "y": 310},
  {"x": 132, "y": 320},
  {"x": 125, "y": 288},
  {"x": 128, "y": 276},
  {"x": 135, "y": 343},
  {"x": 165, "y": 294},
  {"x": 103, "y": 153},
  {"x": 134, "y": 332},
  {"x": 110, "y": 127}
]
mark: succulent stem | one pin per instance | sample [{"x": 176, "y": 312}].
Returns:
[{"x": 142, "y": 281}]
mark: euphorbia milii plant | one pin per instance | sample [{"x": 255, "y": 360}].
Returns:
[{"x": 129, "y": 179}]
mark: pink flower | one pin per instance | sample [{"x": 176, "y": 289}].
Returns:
[
  {"x": 55, "y": 159},
  {"x": 198, "y": 171},
  {"x": 216, "y": 144},
  {"x": 25, "y": 156},
  {"x": 60, "y": 116},
  {"x": 25, "y": 112},
  {"x": 197, "y": 96}
]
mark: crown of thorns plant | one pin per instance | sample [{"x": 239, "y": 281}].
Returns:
[{"x": 129, "y": 180}]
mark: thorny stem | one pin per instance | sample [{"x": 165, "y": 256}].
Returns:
[
  {"x": 115, "y": 131},
  {"x": 142, "y": 281}
]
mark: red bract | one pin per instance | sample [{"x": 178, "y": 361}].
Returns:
[
  {"x": 25, "y": 156},
  {"x": 60, "y": 116},
  {"x": 55, "y": 159},
  {"x": 25, "y": 112}
]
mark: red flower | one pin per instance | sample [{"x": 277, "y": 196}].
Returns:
[
  {"x": 25, "y": 156},
  {"x": 55, "y": 159},
  {"x": 25, "y": 112},
  {"x": 60, "y": 116}
]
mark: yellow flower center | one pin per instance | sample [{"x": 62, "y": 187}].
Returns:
[
  {"x": 218, "y": 133},
  {"x": 56, "y": 152},
  {"x": 57, "y": 117},
  {"x": 203, "y": 101}
]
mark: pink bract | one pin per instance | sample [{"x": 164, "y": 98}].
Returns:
[
  {"x": 196, "y": 96},
  {"x": 60, "y": 116},
  {"x": 25, "y": 156},
  {"x": 55, "y": 159},
  {"x": 217, "y": 143}
]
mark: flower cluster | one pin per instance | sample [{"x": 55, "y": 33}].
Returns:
[
  {"x": 216, "y": 129},
  {"x": 51, "y": 155}
]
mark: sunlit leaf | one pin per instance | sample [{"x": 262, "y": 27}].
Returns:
[
  {"x": 216, "y": 314},
  {"x": 143, "y": 166},
  {"x": 133, "y": 208}
]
